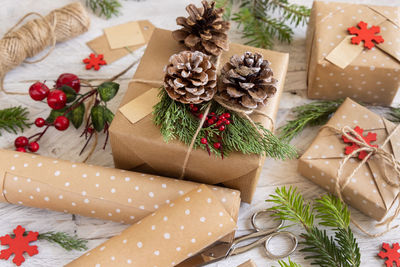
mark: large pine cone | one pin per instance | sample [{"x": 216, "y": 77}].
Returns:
[
  {"x": 204, "y": 30},
  {"x": 247, "y": 81},
  {"x": 190, "y": 77}
]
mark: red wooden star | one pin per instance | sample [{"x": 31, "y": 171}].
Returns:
[
  {"x": 18, "y": 245},
  {"x": 369, "y": 138},
  {"x": 94, "y": 61},
  {"x": 365, "y": 34},
  {"x": 391, "y": 254}
]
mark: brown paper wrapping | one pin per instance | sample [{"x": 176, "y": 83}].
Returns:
[
  {"x": 93, "y": 191},
  {"x": 372, "y": 76},
  {"x": 367, "y": 190},
  {"x": 248, "y": 263},
  {"x": 100, "y": 44},
  {"x": 166, "y": 237},
  {"x": 140, "y": 146}
]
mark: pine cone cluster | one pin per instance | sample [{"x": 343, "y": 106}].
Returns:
[
  {"x": 190, "y": 77},
  {"x": 204, "y": 30},
  {"x": 247, "y": 81}
]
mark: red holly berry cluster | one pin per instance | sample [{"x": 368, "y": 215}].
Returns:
[
  {"x": 212, "y": 121},
  {"x": 56, "y": 100}
]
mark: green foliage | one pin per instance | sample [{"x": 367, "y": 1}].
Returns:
[
  {"x": 341, "y": 250},
  {"x": 106, "y": 8},
  {"x": 263, "y": 21},
  {"x": 177, "y": 122},
  {"x": 70, "y": 93},
  {"x": 76, "y": 115},
  {"x": 14, "y": 119},
  {"x": 312, "y": 114},
  {"x": 394, "y": 115},
  {"x": 108, "y": 90},
  {"x": 64, "y": 240},
  {"x": 98, "y": 118},
  {"x": 290, "y": 263}
]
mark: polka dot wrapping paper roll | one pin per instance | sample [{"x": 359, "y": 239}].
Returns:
[
  {"x": 168, "y": 236},
  {"x": 367, "y": 190},
  {"x": 93, "y": 191},
  {"x": 337, "y": 68}
]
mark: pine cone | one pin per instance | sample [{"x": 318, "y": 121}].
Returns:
[
  {"x": 204, "y": 30},
  {"x": 247, "y": 81},
  {"x": 190, "y": 77}
]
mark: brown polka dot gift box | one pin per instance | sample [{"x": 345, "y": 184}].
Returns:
[
  {"x": 353, "y": 50},
  {"x": 356, "y": 156},
  {"x": 173, "y": 233},
  {"x": 93, "y": 191}
]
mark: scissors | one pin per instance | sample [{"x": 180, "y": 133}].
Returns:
[{"x": 265, "y": 235}]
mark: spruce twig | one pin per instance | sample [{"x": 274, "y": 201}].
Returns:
[
  {"x": 106, "y": 8},
  {"x": 290, "y": 263},
  {"x": 64, "y": 240},
  {"x": 14, "y": 119}
]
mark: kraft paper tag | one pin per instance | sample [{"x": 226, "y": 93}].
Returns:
[
  {"x": 124, "y": 35},
  {"x": 345, "y": 52},
  {"x": 141, "y": 106}
]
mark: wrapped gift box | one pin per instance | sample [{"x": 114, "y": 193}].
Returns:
[
  {"x": 367, "y": 189},
  {"x": 140, "y": 146},
  {"x": 337, "y": 68}
]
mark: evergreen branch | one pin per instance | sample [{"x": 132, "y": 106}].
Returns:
[
  {"x": 14, "y": 119},
  {"x": 394, "y": 115},
  {"x": 290, "y": 263},
  {"x": 106, "y": 8},
  {"x": 312, "y": 114},
  {"x": 64, "y": 240},
  {"x": 296, "y": 14},
  {"x": 227, "y": 6}
]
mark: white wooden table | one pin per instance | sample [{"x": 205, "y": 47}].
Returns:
[{"x": 67, "y": 58}]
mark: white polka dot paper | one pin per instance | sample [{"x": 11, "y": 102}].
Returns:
[
  {"x": 93, "y": 191},
  {"x": 338, "y": 69},
  {"x": 366, "y": 190},
  {"x": 166, "y": 237}
]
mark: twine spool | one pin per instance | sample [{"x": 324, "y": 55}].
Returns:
[{"x": 35, "y": 35}]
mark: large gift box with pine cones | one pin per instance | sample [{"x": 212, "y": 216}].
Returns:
[
  {"x": 353, "y": 50},
  {"x": 336, "y": 163},
  {"x": 139, "y": 145}
]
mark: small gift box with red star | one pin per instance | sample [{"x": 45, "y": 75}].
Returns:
[
  {"x": 348, "y": 155},
  {"x": 353, "y": 50}
]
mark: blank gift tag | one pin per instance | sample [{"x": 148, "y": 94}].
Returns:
[
  {"x": 124, "y": 35},
  {"x": 167, "y": 237}
]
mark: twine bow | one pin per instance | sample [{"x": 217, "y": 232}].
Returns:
[{"x": 388, "y": 158}]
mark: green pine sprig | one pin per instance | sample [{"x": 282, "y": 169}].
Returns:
[
  {"x": 177, "y": 122},
  {"x": 64, "y": 240},
  {"x": 290, "y": 263},
  {"x": 341, "y": 250},
  {"x": 394, "y": 115},
  {"x": 312, "y": 114},
  {"x": 106, "y": 8},
  {"x": 14, "y": 119}
]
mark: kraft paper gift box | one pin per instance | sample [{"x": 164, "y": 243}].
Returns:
[
  {"x": 367, "y": 190},
  {"x": 337, "y": 68},
  {"x": 168, "y": 236},
  {"x": 140, "y": 146},
  {"x": 94, "y": 191}
]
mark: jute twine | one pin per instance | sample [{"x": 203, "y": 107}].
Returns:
[
  {"x": 35, "y": 35},
  {"x": 379, "y": 152}
]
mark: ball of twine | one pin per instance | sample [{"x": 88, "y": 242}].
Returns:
[{"x": 35, "y": 35}]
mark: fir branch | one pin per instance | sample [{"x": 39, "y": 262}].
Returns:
[
  {"x": 176, "y": 122},
  {"x": 312, "y": 114},
  {"x": 394, "y": 115},
  {"x": 64, "y": 240},
  {"x": 106, "y": 8},
  {"x": 14, "y": 119},
  {"x": 290, "y": 263}
]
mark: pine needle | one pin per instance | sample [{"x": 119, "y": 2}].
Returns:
[
  {"x": 106, "y": 8},
  {"x": 394, "y": 115},
  {"x": 14, "y": 119},
  {"x": 312, "y": 114},
  {"x": 290, "y": 263},
  {"x": 64, "y": 240}
]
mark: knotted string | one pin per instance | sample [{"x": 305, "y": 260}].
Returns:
[{"x": 387, "y": 157}]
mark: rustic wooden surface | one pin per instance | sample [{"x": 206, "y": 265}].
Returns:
[{"x": 67, "y": 58}]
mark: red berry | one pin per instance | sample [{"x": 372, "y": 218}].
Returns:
[
  {"x": 40, "y": 122},
  {"x": 34, "y": 146},
  {"x": 227, "y": 122},
  {"x": 21, "y": 141},
  {"x": 38, "y": 91},
  {"x": 227, "y": 115},
  {"x": 201, "y": 116},
  {"x": 218, "y": 123},
  {"x": 61, "y": 123},
  {"x": 20, "y": 149},
  {"x": 221, "y": 117},
  {"x": 191, "y": 106},
  {"x": 221, "y": 128},
  {"x": 90, "y": 130},
  {"x": 70, "y": 80},
  {"x": 57, "y": 99},
  {"x": 210, "y": 121},
  {"x": 203, "y": 141},
  {"x": 217, "y": 145},
  {"x": 195, "y": 109},
  {"x": 212, "y": 113}
]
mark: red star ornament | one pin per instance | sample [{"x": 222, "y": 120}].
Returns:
[
  {"x": 366, "y": 35},
  {"x": 18, "y": 245},
  {"x": 369, "y": 138},
  {"x": 94, "y": 61},
  {"x": 392, "y": 254}
]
